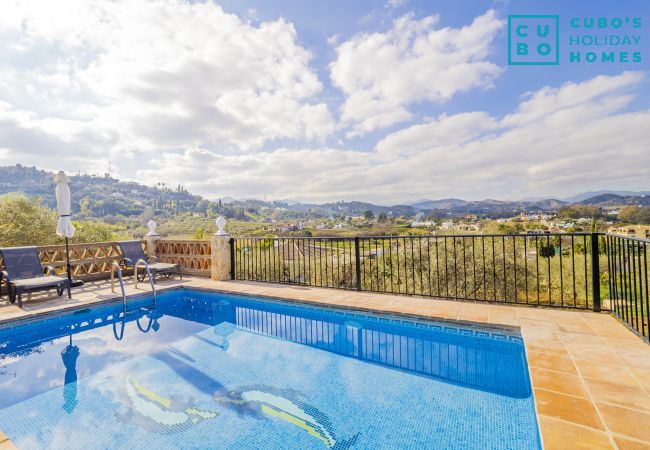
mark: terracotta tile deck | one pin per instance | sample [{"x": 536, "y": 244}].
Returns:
[{"x": 590, "y": 375}]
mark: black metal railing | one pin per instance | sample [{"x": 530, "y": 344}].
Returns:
[
  {"x": 540, "y": 269},
  {"x": 628, "y": 281}
]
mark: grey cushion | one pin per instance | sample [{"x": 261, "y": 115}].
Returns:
[
  {"x": 163, "y": 267},
  {"x": 38, "y": 282}
]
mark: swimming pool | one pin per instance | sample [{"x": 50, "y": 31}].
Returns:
[{"x": 200, "y": 369}]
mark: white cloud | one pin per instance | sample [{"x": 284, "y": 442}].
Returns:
[
  {"x": 381, "y": 74},
  {"x": 472, "y": 155},
  {"x": 538, "y": 105},
  {"x": 395, "y": 3},
  {"x": 444, "y": 132},
  {"x": 160, "y": 73},
  {"x": 282, "y": 173}
]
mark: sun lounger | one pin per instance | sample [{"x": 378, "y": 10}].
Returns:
[
  {"x": 132, "y": 253},
  {"x": 23, "y": 272}
]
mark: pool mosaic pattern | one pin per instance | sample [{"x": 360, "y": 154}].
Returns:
[{"x": 208, "y": 370}]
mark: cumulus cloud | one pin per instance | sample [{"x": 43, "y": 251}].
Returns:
[
  {"x": 577, "y": 100},
  {"x": 160, "y": 73},
  {"x": 443, "y": 132},
  {"x": 471, "y": 155},
  {"x": 381, "y": 74},
  {"x": 395, "y": 3}
]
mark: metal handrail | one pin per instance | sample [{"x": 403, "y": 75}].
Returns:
[
  {"x": 116, "y": 267},
  {"x": 631, "y": 238},
  {"x": 135, "y": 274}
]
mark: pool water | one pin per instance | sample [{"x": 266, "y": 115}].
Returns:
[{"x": 198, "y": 369}]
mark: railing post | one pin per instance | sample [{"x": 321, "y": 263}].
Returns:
[
  {"x": 595, "y": 271},
  {"x": 358, "y": 262},
  {"x": 220, "y": 253},
  {"x": 232, "y": 259}
]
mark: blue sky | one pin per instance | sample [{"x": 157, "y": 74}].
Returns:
[
  {"x": 317, "y": 21},
  {"x": 385, "y": 101}
]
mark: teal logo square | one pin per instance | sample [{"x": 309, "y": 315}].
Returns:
[{"x": 533, "y": 40}]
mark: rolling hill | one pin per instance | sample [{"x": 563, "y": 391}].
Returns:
[{"x": 107, "y": 197}]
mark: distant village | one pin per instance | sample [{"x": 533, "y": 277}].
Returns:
[{"x": 533, "y": 223}]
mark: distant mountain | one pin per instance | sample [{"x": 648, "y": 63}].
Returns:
[
  {"x": 444, "y": 203},
  {"x": 355, "y": 208},
  {"x": 533, "y": 199},
  {"x": 587, "y": 195},
  {"x": 226, "y": 200},
  {"x": 549, "y": 203},
  {"x": 617, "y": 200}
]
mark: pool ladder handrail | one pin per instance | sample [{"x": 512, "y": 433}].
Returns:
[
  {"x": 116, "y": 268},
  {"x": 145, "y": 264}
]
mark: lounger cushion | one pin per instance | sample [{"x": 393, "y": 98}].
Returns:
[
  {"x": 39, "y": 282},
  {"x": 162, "y": 267}
]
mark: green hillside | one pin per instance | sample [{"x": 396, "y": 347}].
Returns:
[{"x": 110, "y": 199}]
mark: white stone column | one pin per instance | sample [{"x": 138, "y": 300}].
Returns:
[
  {"x": 150, "y": 238},
  {"x": 220, "y": 253}
]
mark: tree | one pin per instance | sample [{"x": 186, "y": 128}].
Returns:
[
  {"x": 24, "y": 221},
  {"x": 148, "y": 214},
  {"x": 382, "y": 217},
  {"x": 86, "y": 207},
  {"x": 635, "y": 214},
  {"x": 492, "y": 227},
  {"x": 199, "y": 234},
  {"x": 368, "y": 215},
  {"x": 545, "y": 248},
  {"x": 92, "y": 231},
  {"x": 579, "y": 211}
]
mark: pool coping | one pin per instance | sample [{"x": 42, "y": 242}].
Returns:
[{"x": 44, "y": 315}]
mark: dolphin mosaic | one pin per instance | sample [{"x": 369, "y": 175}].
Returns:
[
  {"x": 156, "y": 413},
  {"x": 284, "y": 404}
]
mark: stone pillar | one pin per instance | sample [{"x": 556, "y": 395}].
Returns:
[
  {"x": 150, "y": 238},
  {"x": 220, "y": 253}
]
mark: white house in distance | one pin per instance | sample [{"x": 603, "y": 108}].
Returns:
[{"x": 417, "y": 223}]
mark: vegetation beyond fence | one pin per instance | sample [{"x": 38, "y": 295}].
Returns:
[{"x": 549, "y": 270}]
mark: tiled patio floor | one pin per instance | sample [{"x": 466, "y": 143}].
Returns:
[{"x": 590, "y": 375}]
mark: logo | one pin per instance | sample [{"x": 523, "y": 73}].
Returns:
[
  {"x": 605, "y": 40},
  {"x": 533, "y": 40}
]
